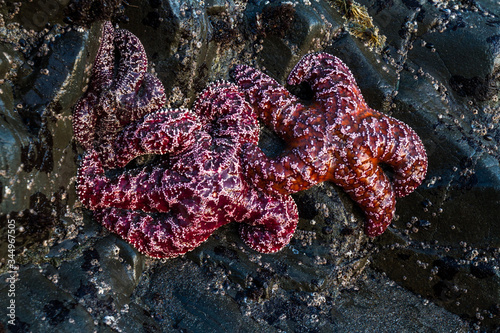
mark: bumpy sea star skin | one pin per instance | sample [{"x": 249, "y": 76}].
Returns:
[
  {"x": 169, "y": 207},
  {"x": 337, "y": 138},
  {"x": 113, "y": 100}
]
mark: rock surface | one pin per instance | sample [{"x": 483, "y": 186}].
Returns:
[
  {"x": 438, "y": 72},
  {"x": 446, "y": 247}
]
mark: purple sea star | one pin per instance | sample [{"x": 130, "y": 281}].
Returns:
[
  {"x": 337, "y": 137},
  {"x": 116, "y": 96},
  {"x": 171, "y": 206}
]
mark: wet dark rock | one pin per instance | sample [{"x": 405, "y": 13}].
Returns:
[
  {"x": 270, "y": 143},
  {"x": 283, "y": 32},
  {"x": 38, "y": 15},
  {"x": 456, "y": 105},
  {"x": 419, "y": 313},
  {"x": 94, "y": 286},
  {"x": 36, "y": 222},
  {"x": 38, "y": 159},
  {"x": 85, "y": 12},
  {"x": 275, "y": 19},
  {"x": 178, "y": 38},
  {"x": 327, "y": 230},
  {"x": 454, "y": 284},
  {"x": 110, "y": 262},
  {"x": 210, "y": 301},
  {"x": 34, "y": 15},
  {"x": 306, "y": 206},
  {"x": 447, "y": 268},
  {"x": 424, "y": 224},
  {"x": 482, "y": 270},
  {"x": 57, "y": 312},
  {"x": 40, "y": 306},
  {"x": 41, "y": 89},
  {"x": 196, "y": 304},
  {"x": 38, "y": 154},
  {"x": 224, "y": 251},
  {"x": 481, "y": 89}
]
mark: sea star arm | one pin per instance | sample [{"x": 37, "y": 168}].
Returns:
[
  {"x": 225, "y": 113},
  {"x": 104, "y": 63},
  {"x": 270, "y": 222},
  {"x": 135, "y": 189},
  {"x": 332, "y": 83},
  {"x": 122, "y": 109},
  {"x": 133, "y": 62},
  {"x": 134, "y": 92},
  {"x": 86, "y": 110},
  {"x": 84, "y": 120},
  {"x": 284, "y": 174},
  {"x": 150, "y": 98},
  {"x": 394, "y": 143},
  {"x": 162, "y": 132},
  {"x": 369, "y": 187},
  {"x": 116, "y": 99},
  {"x": 272, "y": 102},
  {"x": 164, "y": 236}
]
